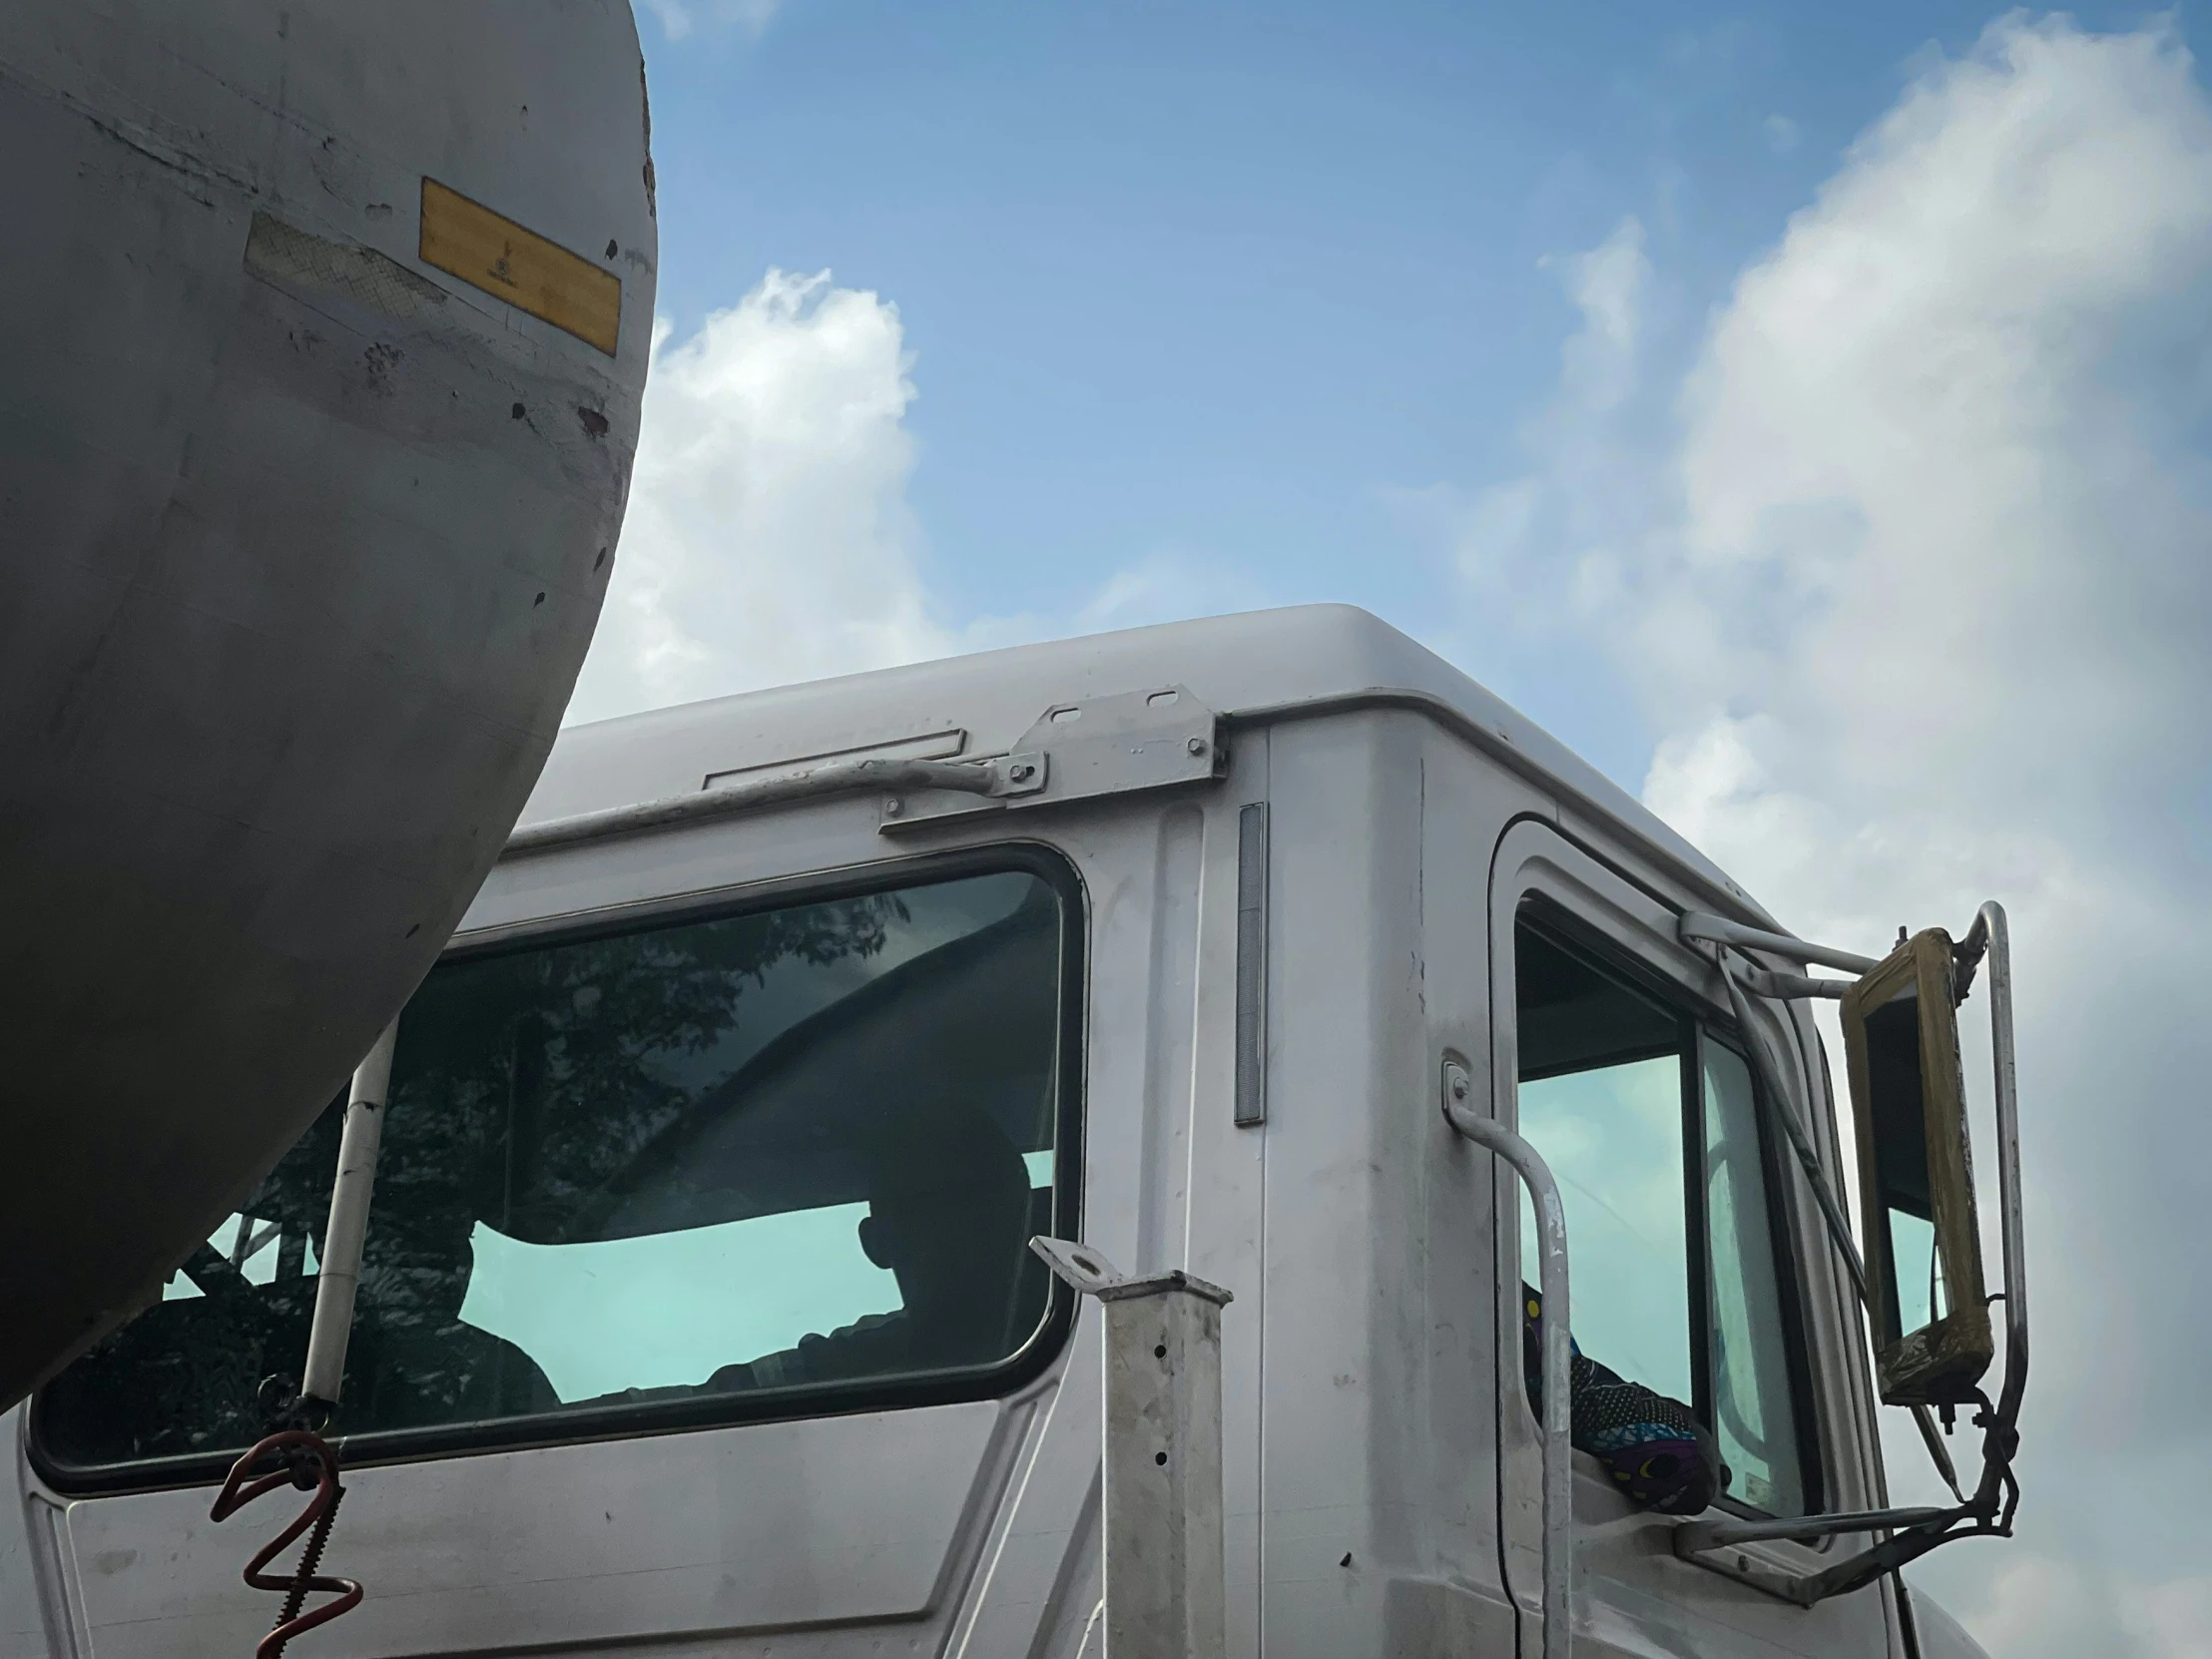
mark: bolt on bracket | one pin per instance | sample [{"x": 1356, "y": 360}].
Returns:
[{"x": 1142, "y": 740}]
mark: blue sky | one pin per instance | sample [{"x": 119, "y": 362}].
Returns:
[
  {"x": 1218, "y": 286},
  {"x": 1805, "y": 412}
]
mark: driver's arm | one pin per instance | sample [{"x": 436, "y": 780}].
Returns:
[{"x": 1654, "y": 1449}]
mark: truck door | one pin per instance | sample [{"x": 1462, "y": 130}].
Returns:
[{"x": 1697, "y": 1269}]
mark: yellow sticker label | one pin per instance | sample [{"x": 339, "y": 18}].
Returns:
[{"x": 542, "y": 278}]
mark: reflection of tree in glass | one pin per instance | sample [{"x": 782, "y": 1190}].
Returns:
[
  {"x": 542, "y": 1072},
  {"x": 182, "y": 1376},
  {"x": 525, "y": 1082}
]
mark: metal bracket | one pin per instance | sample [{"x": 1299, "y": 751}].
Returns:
[
  {"x": 1165, "y": 1593},
  {"x": 1694, "y": 1538},
  {"x": 1716, "y": 1545},
  {"x": 1756, "y": 1571},
  {"x": 1000, "y": 779},
  {"x": 1144, "y": 739}
]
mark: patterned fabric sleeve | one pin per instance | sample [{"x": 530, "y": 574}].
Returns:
[{"x": 1658, "y": 1454}]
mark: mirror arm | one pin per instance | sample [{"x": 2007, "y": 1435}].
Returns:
[
  {"x": 1712, "y": 930},
  {"x": 1990, "y": 1512},
  {"x": 1787, "y": 987},
  {"x": 1895, "y": 1551},
  {"x": 1968, "y": 950},
  {"x": 1692, "y": 1537}
]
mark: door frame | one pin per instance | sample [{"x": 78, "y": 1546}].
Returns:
[{"x": 1626, "y": 1575}]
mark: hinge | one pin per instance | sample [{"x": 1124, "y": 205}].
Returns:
[{"x": 1145, "y": 740}]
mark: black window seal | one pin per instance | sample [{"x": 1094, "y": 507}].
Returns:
[
  {"x": 1696, "y": 1212},
  {"x": 602, "y": 1424}
]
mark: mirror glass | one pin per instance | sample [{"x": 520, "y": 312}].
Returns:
[
  {"x": 1898, "y": 1109},
  {"x": 1918, "y": 1269}
]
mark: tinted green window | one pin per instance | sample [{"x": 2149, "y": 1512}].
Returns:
[
  {"x": 751, "y": 1157},
  {"x": 1650, "y": 1126},
  {"x": 1754, "y": 1406}
]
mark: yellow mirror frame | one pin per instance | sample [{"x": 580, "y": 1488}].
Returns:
[{"x": 1941, "y": 1363}]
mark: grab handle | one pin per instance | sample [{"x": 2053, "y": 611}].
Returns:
[{"x": 1558, "y": 1448}]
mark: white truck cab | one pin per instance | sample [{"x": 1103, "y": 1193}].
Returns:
[{"x": 698, "y": 1311}]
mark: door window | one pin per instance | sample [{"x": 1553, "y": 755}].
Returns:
[
  {"x": 1754, "y": 1402},
  {"x": 1649, "y": 1123},
  {"x": 708, "y": 1167}
]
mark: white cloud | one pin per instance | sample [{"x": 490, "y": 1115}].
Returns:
[
  {"x": 2046, "y": 1607},
  {"x": 1166, "y": 586},
  {"x": 1918, "y": 593},
  {"x": 1607, "y": 285},
  {"x": 1535, "y": 549},
  {"x": 768, "y": 537},
  {"x": 679, "y": 17}
]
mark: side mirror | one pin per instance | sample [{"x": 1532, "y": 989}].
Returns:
[{"x": 1932, "y": 1339}]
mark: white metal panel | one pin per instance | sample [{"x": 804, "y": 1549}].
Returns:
[
  {"x": 1343, "y": 1448},
  {"x": 1155, "y": 875},
  {"x": 1039, "y": 1583},
  {"x": 29, "y": 1587},
  {"x": 835, "y": 1520},
  {"x": 1226, "y": 1222}
]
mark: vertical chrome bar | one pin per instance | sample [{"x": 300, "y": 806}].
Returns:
[
  {"x": 1558, "y": 1422},
  {"x": 1251, "y": 965},
  {"x": 1165, "y": 1593},
  {"x": 1991, "y": 920},
  {"x": 341, "y": 1270}
]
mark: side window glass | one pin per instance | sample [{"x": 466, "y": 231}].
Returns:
[
  {"x": 780, "y": 1152},
  {"x": 1754, "y": 1411},
  {"x": 1601, "y": 1099},
  {"x": 1652, "y": 1129}
]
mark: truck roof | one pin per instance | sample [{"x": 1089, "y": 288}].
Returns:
[{"x": 1306, "y": 659}]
